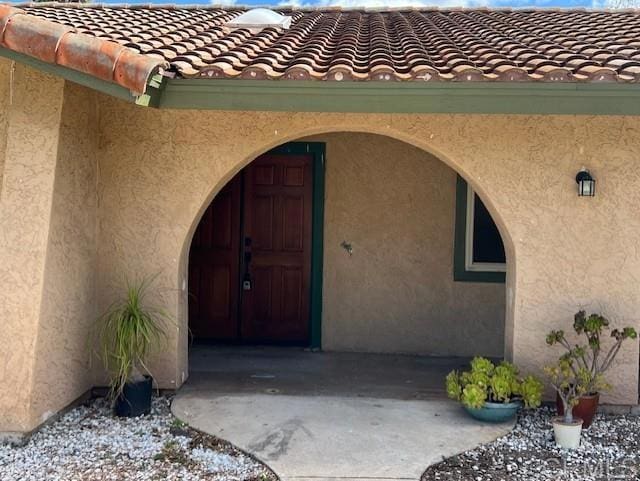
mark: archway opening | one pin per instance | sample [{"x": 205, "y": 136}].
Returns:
[{"x": 349, "y": 242}]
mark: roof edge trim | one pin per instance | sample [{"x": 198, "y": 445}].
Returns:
[
  {"x": 148, "y": 99},
  {"x": 527, "y": 98},
  {"x": 55, "y": 44}
]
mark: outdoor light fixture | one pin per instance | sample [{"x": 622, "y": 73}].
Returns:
[{"x": 586, "y": 183}]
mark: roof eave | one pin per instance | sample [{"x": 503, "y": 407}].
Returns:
[
  {"x": 530, "y": 98},
  {"x": 148, "y": 99},
  {"x": 57, "y": 45},
  {"x": 526, "y": 98}
]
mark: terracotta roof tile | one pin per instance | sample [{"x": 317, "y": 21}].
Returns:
[
  {"x": 336, "y": 44},
  {"x": 65, "y": 45}
]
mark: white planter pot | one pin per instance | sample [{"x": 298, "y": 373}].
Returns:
[{"x": 567, "y": 434}]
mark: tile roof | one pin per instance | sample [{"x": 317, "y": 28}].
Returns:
[
  {"x": 404, "y": 44},
  {"x": 54, "y": 42}
]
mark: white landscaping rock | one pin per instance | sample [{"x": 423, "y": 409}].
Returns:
[
  {"x": 89, "y": 443},
  {"x": 609, "y": 449}
]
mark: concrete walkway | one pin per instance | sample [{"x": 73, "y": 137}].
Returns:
[{"x": 315, "y": 416}]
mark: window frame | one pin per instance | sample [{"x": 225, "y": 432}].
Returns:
[
  {"x": 464, "y": 269},
  {"x": 469, "y": 263}
]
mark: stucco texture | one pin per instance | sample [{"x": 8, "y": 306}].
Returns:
[
  {"x": 156, "y": 171},
  {"x": 160, "y": 169},
  {"x": 395, "y": 204},
  {"x": 47, "y": 246}
]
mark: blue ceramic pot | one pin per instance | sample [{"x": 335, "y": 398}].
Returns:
[{"x": 495, "y": 412}]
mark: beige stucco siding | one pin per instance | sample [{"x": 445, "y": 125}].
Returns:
[
  {"x": 33, "y": 120},
  {"x": 68, "y": 307},
  {"x": 5, "y": 95},
  {"x": 48, "y": 244},
  {"x": 395, "y": 204},
  {"x": 162, "y": 168},
  {"x": 157, "y": 170}
]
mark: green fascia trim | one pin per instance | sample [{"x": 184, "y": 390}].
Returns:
[
  {"x": 317, "y": 150},
  {"x": 460, "y": 273},
  {"x": 148, "y": 99},
  {"x": 402, "y": 97}
]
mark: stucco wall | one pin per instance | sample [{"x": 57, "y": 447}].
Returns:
[
  {"x": 68, "y": 307},
  {"x": 158, "y": 170},
  {"x": 48, "y": 244},
  {"x": 5, "y": 92},
  {"x": 33, "y": 119},
  {"x": 395, "y": 204},
  {"x": 162, "y": 168}
]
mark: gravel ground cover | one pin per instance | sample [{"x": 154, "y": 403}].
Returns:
[
  {"x": 609, "y": 450},
  {"x": 90, "y": 444}
]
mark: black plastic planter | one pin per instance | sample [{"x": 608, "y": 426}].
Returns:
[{"x": 135, "y": 399}]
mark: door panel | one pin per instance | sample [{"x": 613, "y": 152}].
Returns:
[
  {"x": 214, "y": 270},
  {"x": 268, "y": 241},
  {"x": 277, "y": 197}
]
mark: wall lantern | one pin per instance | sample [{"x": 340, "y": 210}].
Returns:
[{"x": 586, "y": 183}]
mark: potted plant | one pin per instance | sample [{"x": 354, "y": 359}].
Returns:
[
  {"x": 127, "y": 333},
  {"x": 570, "y": 382},
  {"x": 590, "y": 359},
  {"x": 493, "y": 393}
]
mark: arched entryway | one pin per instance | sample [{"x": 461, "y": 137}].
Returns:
[
  {"x": 405, "y": 259},
  {"x": 413, "y": 262}
]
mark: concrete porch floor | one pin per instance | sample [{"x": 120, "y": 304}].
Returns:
[{"x": 329, "y": 415}]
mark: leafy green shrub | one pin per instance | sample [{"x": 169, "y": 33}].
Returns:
[{"x": 488, "y": 382}]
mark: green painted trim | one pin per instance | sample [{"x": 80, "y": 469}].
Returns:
[
  {"x": 529, "y": 98},
  {"x": 460, "y": 273},
  {"x": 155, "y": 89},
  {"x": 317, "y": 150},
  {"x": 402, "y": 97},
  {"x": 72, "y": 75}
]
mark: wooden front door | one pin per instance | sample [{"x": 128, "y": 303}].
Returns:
[{"x": 257, "y": 290}]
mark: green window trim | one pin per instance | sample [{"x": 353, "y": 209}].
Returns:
[
  {"x": 460, "y": 271},
  {"x": 317, "y": 150}
]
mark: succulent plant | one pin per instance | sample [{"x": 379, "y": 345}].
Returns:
[
  {"x": 474, "y": 396},
  {"x": 589, "y": 361},
  {"x": 488, "y": 382}
]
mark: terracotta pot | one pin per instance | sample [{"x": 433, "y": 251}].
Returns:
[{"x": 585, "y": 409}]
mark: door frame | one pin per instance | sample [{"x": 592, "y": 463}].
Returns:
[{"x": 317, "y": 151}]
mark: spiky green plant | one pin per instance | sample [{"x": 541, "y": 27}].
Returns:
[{"x": 128, "y": 332}]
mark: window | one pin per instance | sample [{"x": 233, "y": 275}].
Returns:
[
  {"x": 484, "y": 250},
  {"x": 478, "y": 251}
]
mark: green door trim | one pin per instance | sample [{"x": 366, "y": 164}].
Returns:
[
  {"x": 317, "y": 150},
  {"x": 460, "y": 272}
]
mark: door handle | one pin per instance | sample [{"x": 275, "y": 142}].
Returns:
[{"x": 246, "y": 280}]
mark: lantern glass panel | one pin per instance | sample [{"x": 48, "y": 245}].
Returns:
[{"x": 587, "y": 187}]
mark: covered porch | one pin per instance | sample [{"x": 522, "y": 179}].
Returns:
[{"x": 325, "y": 415}]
